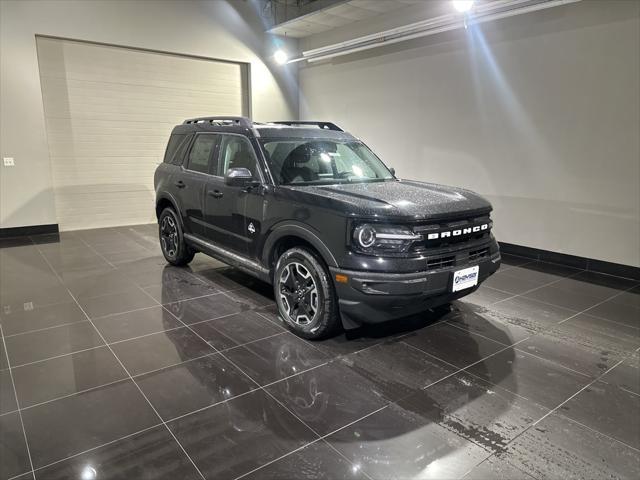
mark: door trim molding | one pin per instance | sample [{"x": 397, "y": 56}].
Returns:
[{"x": 228, "y": 256}]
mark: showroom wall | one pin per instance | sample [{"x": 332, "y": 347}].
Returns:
[
  {"x": 214, "y": 29},
  {"x": 539, "y": 112}
]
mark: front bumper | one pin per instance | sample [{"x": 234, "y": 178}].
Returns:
[{"x": 370, "y": 297}]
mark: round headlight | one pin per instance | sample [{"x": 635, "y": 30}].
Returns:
[{"x": 365, "y": 235}]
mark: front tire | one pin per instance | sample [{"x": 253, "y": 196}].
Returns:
[
  {"x": 305, "y": 294},
  {"x": 174, "y": 248}
]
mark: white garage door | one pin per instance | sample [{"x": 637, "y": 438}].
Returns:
[{"x": 109, "y": 111}]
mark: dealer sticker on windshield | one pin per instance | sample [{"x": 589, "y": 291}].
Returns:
[{"x": 466, "y": 278}]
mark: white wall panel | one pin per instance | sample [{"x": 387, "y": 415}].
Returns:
[
  {"x": 540, "y": 113},
  {"x": 109, "y": 111}
]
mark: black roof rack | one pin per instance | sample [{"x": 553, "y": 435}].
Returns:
[
  {"x": 323, "y": 125},
  {"x": 240, "y": 121}
]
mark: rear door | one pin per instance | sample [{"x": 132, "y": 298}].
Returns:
[
  {"x": 232, "y": 214},
  {"x": 191, "y": 181}
]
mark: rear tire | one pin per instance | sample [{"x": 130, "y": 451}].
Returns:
[
  {"x": 174, "y": 248},
  {"x": 305, "y": 294}
]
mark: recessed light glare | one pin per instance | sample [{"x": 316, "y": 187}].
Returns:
[
  {"x": 88, "y": 473},
  {"x": 280, "y": 57},
  {"x": 462, "y": 5}
]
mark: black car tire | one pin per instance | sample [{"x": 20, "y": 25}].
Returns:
[
  {"x": 174, "y": 248},
  {"x": 325, "y": 319}
]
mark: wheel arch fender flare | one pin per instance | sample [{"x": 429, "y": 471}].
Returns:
[
  {"x": 166, "y": 196},
  {"x": 305, "y": 232}
]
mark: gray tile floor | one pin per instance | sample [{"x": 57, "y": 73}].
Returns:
[{"x": 115, "y": 365}]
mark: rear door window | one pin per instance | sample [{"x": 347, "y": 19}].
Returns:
[{"x": 201, "y": 154}]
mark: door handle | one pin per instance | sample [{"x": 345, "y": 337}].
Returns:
[
  {"x": 215, "y": 193},
  {"x": 180, "y": 184}
]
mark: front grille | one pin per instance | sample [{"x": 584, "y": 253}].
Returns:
[
  {"x": 477, "y": 254},
  {"x": 442, "y": 262},
  {"x": 452, "y": 233}
]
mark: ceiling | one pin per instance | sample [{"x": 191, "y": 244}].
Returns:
[{"x": 336, "y": 15}]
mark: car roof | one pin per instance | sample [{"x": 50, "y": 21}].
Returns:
[
  {"x": 275, "y": 130},
  {"x": 299, "y": 131}
]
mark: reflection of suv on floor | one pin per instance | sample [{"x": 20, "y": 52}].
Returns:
[{"x": 310, "y": 209}]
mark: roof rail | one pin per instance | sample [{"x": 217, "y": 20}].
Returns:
[
  {"x": 323, "y": 125},
  {"x": 241, "y": 121}
]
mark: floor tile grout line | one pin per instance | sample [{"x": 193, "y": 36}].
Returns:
[
  {"x": 263, "y": 389},
  {"x": 534, "y": 334},
  {"x": 213, "y": 353},
  {"x": 321, "y": 438},
  {"x": 608, "y": 320},
  {"x": 590, "y": 377},
  {"x": 142, "y": 336},
  {"x": 158, "y": 424},
  {"x": 242, "y": 394},
  {"x": 44, "y": 329},
  {"x": 136, "y": 385},
  {"x": 458, "y": 370},
  {"x": 44, "y": 305},
  {"x": 79, "y": 392},
  {"x": 621, "y": 388},
  {"x": 576, "y": 313},
  {"x": 354, "y": 466},
  {"x": 522, "y": 294},
  {"x": 111, "y": 442},
  {"x": 116, "y": 314},
  {"x": 560, "y": 414},
  {"x": 259, "y": 386},
  {"x": 153, "y": 306},
  {"x": 555, "y": 410},
  {"x": 586, "y": 310},
  {"x": 97, "y": 253},
  {"x": 15, "y": 396},
  {"x": 470, "y": 332},
  {"x": 59, "y": 356},
  {"x": 9, "y": 412},
  {"x": 147, "y": 399},
  {"x": 17, "y": 477},
  {"x": 278, "y": 458},
  {"x": 425, "y": 352}
]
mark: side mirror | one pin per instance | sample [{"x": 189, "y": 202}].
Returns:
[
  {"x": 238, "y": 177},
  {"x": 393, "y": 171}
]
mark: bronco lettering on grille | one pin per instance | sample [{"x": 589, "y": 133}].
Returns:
[{"x": 459, "y": 232}]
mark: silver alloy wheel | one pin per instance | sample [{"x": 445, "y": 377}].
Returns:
[
  {"x": 169, "y": 235},
  {"x": 298, "y": 293}
]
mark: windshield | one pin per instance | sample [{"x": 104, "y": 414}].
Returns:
[{"x": 321, "y": 161}]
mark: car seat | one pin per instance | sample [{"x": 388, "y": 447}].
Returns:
[
  {"x": 243, "y": 158},
  {"x": 294, "y": 168}
]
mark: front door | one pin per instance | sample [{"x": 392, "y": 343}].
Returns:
[{"x": 226, "y": 207}]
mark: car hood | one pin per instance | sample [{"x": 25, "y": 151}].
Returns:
[{"x": 405, "y": 199}]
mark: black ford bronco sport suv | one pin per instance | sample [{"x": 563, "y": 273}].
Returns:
[{"x": 310, "y": 209}]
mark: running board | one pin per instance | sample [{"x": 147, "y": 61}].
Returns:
[{"x": 249, "y": 266}]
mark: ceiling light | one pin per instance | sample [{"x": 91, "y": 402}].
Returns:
[
  {"x": 462, "y": 5},
  {"x": 280, "y": 57}
]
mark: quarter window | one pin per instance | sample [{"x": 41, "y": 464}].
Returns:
[
  {"x": 201, "y": 153},
  {"x": 176, "y": 147}
]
